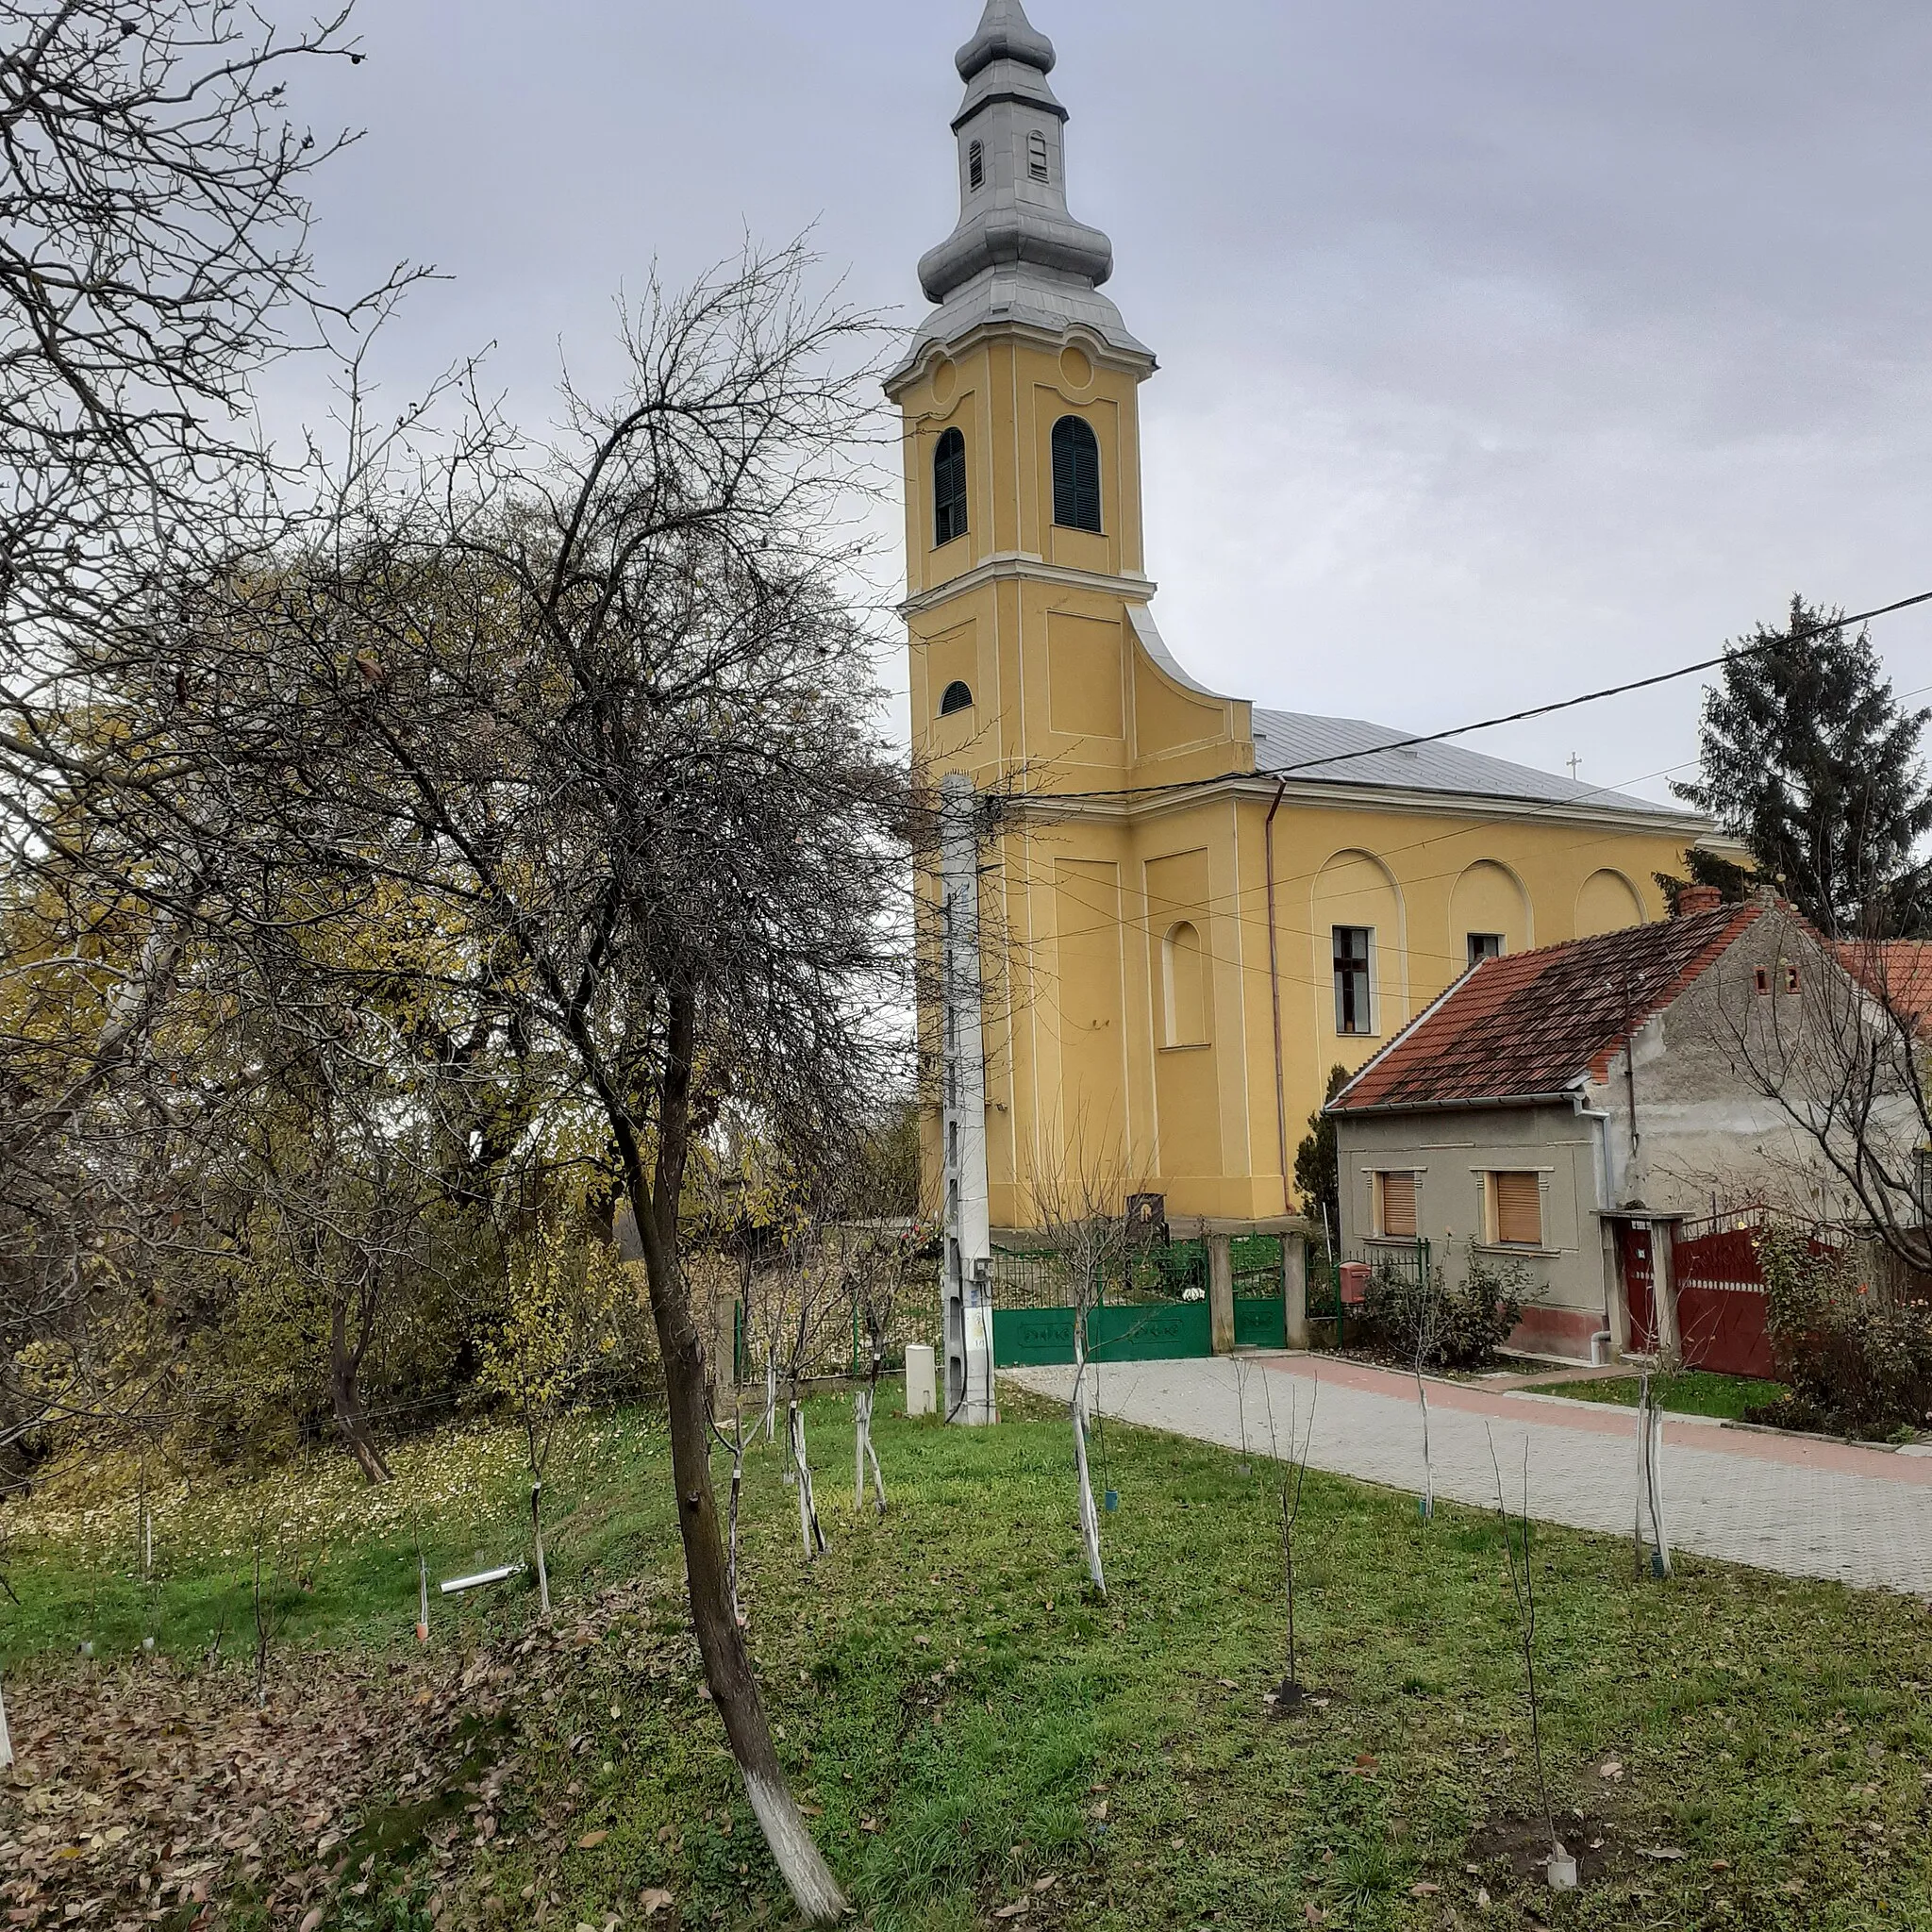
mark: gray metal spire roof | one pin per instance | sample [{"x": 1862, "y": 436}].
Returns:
[
  {"x": 1004, "y": 34},
  {"x": 1017, "y": 253}
]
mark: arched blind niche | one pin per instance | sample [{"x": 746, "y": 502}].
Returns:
[{"x": 1185, "y": 969}]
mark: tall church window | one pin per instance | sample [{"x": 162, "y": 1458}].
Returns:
[
  {"x": 975, "y": 165},
  {"x": 1036, "y": 157},
  {"x": 1184, "y": 968},
  {"x": 1075, "y": 475},
  {"x": 949, "y": 489},
  {"x": 1354, "y": 1003}
]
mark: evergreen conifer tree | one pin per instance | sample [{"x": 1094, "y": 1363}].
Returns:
[{"x": 1809, "y": 761}]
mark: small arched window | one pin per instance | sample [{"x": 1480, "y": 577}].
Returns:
[
  {"x": 957, "y": 697},
  {"x": 949, "y": 489},
  {"x": 1184, "y": 973},
  {"x": 1036, "y": 157},
  {"x": 975, "y": 165},
  {"x": 1075, "y": 475}
]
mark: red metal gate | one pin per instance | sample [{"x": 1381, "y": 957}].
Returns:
[{"x": 1721, "y": 1300}]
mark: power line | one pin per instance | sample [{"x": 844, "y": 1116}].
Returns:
[{"x": 1591, "y": 697}]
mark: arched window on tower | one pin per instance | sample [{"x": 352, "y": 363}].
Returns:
[
  {"x": 949, "y": 489},
  {"x": 1036, "y": 157},
  {"x": 957, "y": 697},
  {"x": 975, "y": 165},
  {"x": 1075, "y": 475}
]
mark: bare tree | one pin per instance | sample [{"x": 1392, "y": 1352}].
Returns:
[
  {"x": 155, "y": 261},
  {"x": 879, "y": 1260},
  {"x": 608, "y": 719},
  {"x": 1083, "y": 1222},
  {"x": 1833, "y": 1037},
  {"x": 1292, "y": 1474},
  {"x": 1562, "y": 1868}
]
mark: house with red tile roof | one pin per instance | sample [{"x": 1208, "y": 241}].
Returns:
[
  {"x": 1555, "y": 1112},
  {"x": 1899, "y": 972}
]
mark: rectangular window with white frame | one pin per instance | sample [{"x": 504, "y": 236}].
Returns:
[
  {"x": 1513, "y": 1208},
  {"x": 1354, "y": 1001}
]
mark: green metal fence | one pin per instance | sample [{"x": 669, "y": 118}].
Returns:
[{"x": 1149, "y": 1305}]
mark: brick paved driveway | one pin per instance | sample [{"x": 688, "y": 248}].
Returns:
[{"x": 1863, "y": 1516}]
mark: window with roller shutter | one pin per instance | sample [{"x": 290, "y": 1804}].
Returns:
[
  {"x": 1516, "y": 1209},
  {"x": 1396, "y": 1207}
]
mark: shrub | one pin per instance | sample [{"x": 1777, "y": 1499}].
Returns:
[
  {"x": 1857, "y": 1356},
  {"x": 1421, "y": 1316}
]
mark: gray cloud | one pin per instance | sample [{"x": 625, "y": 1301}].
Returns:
[{"x": 1508, "y": 347}]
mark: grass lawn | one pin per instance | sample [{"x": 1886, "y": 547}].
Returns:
[
  {"x": 1695, "y": 1392},
  {"x": 974, "y": 1733}
]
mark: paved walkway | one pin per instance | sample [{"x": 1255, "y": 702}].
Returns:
[{"x": 1863, "y": 1516}]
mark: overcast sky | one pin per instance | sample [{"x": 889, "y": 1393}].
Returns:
[{"x": 1507, "y": 348}]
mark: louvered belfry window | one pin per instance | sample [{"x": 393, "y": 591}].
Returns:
[
  {"x": 1075, "y": 475},
  {"x": 975, "y": 165},
  {"x": 1519, "y": 1209},
  {"x": 949, "y": 489},
  {"x": 1036, "y": 157},
  {"x": 1395, "y": 1216}
]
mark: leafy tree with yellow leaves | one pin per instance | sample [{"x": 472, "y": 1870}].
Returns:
[{"x": 564, "y": 1287}]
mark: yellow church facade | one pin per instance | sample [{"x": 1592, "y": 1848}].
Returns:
[{"x": 1190, "y": 910}]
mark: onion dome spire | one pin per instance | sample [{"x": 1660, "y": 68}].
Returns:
[{"x": 1018, "y": 253}]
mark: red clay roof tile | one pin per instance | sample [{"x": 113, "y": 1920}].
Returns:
[
  {"x": 1899, "y": 972},
  {"x": 1534, "y": 1024}
]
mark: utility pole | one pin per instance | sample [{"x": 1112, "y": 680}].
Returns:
[{"x": 966, "y": 1291}]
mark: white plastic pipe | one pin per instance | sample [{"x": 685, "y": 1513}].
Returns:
[
  {"x": 6, "y": 1736},
  {"x": 457, "y": 1585}
]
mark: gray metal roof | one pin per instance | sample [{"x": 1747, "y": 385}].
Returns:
[{"x": 1283, "y": 740}]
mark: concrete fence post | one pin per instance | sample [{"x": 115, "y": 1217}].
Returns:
[
  {"x": 1294, "y": 1288},
  {"x": 1664, "y": 1270},
  {"x": 1221, "y": 1291}
]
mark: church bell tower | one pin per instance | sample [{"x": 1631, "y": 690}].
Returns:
[{"x": 1019, "y": 398}]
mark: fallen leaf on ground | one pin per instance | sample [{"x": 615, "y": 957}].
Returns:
[
  {"x": 1612, "y": 1770},
  {"x": 1666, "y": 1852},
  {"x": 1424, "y": 1891},
  {"x": 655, "y": 1899},
  {"x": 591, "y": 1839},
  {"x": 1018, "y": 1909},
  {"x": 1229, "y": 1684},
  {"x": 1047, "y": 1883}
]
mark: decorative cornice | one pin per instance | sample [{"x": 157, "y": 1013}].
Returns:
[
  {"x": 1260, "y": 786},
  {"x": 1138, "y": 362},
  {"x": 1010, "y": 566}
]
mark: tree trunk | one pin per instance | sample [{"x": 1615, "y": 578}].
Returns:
[
  {"x": 537, "y": 1533},
  {"x": 345, "y": 1364},
  {"x": 809, "y": 1528},
  {"x": 721, "y": 1640},
  {"x": 865, "y": 1404},
  {"x": 1090, "y": 1516}
]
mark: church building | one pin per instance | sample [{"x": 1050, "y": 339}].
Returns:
[{"x": 1191, "y": 909}]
